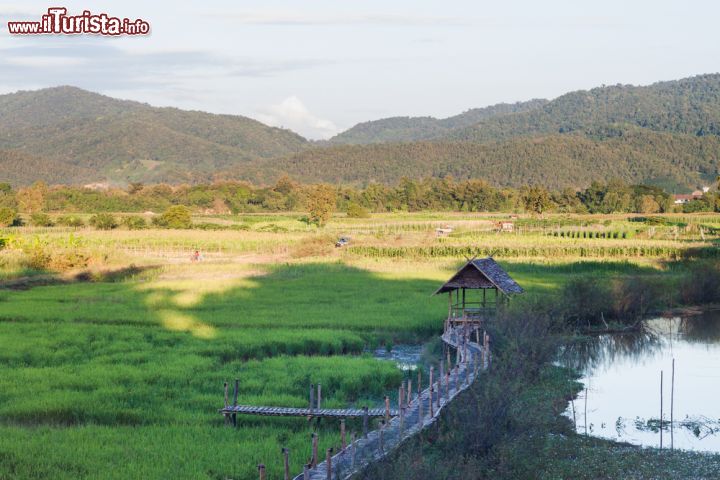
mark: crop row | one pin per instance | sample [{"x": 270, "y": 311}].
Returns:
[{"x": 546, "y": 251}]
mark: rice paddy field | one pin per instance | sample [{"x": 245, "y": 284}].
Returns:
[{"x": 114, "y": 346}]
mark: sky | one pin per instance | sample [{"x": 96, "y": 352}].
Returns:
[{"x": 320, "y": 67}]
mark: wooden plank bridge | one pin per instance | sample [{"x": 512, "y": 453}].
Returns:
[
  {"x": 414, "y": 413},
  {"x": 307, "y": 412}
]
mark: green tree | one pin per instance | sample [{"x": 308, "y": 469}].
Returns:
[
  {"x": 135, "y": 222},
  {"x": 103, "y": 221},
  {"x": 321, "y": 204},
  {"x": 355, "y": 210},
  {"x": 177, "y": 216},
  {"x": 7, "y": 216},
  {"x": 536, "y": 199},
  {"x": 39, "y": 219}
]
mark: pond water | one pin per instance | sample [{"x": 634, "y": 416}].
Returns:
[
  {"x": 622, "y": 376},
  {"x": 406, "y": 357}
]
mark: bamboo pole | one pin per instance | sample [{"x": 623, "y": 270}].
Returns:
[
  {"x": 586, "y": 395},
  {"x": 661, "y": 409},
  {"x": 365, "y": 421},
  {"x": 227, "y": 417},
  {"x": 235, "y": 401},
  {"x": 314, "y": 460},
  {"x": 343, "y": 442},
  {"x": 431, "y": 392},
  {"x": 352, "y": 449},
  {"x": 328, "y": 463},
  {"x": 672, "y": 407},
  {"x": 286, "y": 462}
]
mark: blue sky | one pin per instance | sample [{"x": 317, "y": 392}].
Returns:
[{"x": 321, "y": 66}]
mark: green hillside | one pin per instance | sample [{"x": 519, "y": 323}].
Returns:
[
  {"x": 407, "y": 129},
  {"x": 560, "y": 160},
  {"x": 689, "y": 106},
  {"x": 125, "y": 140}
]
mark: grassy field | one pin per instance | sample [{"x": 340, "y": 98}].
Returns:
[{"x": 110, "y": 372}]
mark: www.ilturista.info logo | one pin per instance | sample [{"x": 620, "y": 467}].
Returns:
[{"x": 58, "y": 22}]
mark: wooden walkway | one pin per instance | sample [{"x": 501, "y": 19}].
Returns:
[{"x": 305, "y": 412}]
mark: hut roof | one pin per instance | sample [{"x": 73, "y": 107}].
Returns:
[{"x": 482, "y": 273}]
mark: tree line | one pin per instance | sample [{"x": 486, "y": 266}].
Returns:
[{"x": 286, "y": 195}]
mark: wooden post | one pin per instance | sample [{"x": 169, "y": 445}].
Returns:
[
  {"x": 409, "y": 392},
  {"x": 286, "y": 462},
  {"x": 319, "y": 396},
  {"x": 420, "y": 407},
  {"x": 343, "y": 443},
  {"x": 489, "y": 353},
  {"x": 352, "y": 450},
  {"x": 306, "y": 471},
  {"x": 387, "y": 408},
  {"x": 235, "y": 402},
  {"x": 312, "y": 397},
  {"x": 365, "y": 422},
  {"x": 314, "y": 460},
  {"x": 382, "y": 436},
  {"x": 328, "y": 463},
  {"x": 672, "y": 406},
  {"x": 439, "y": 388},
  {"x": 261, "y": 471},
  {"x": 661, "y": 408},
  {"x": 441, "y": 375},
  {"x": 430, "y": 382},
  {"x": 227, "y": 417},
  {"x": 586, "y": 395}
]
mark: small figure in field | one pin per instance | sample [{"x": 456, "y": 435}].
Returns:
[{"x": 196, "y": 257}]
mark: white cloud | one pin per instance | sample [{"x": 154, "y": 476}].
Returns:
[
  {"x": 289, "y": 17},
  {"x": 44, "y": 61},
  {"x": 293, "y": 114}
]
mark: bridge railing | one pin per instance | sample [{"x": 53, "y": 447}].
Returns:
[{"x": 416, "y": 415}]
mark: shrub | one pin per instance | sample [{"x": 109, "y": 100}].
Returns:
[
  {"x": 135, "y": 222},
  {"x": 586, "y": 300},
  {"x": 701, "y": 285},
  {"x": 103, "y": 221},
  {"x": 355, "y": 210},
  {"x": 635, "y": 297},
  {"x": 177, "y": 216},
  {"x": 7, "y": 216},
  {"x": 71, "y": 221},
  {"x": 40, "y": 219}
]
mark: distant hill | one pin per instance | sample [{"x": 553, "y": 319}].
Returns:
[
  {"x": 688, "y": 106},
  {"x": 125, "y": 140},
  {"x": 665, "y": 134},
  {"x": 407, "y": 129},
  {"x": 20, "y": 168},
  {"x": 573, "y": 160}
]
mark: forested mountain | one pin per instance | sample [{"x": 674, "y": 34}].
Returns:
[
  {"x": 666, "y": 134},
  {"x": 126, "y": 140},
  {"x": 407, "y": 129},
  {"x": 21, "y": 169},
  {"x": 632, "y": 154},
  {"x": 689, "y": 106}
]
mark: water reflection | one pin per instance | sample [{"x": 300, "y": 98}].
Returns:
[
  {"x": 622, "y": 376},
  {"x": 406, "y": 357}
]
